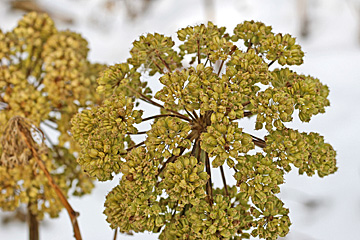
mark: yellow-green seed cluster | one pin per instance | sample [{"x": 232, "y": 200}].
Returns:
[
  {"x": 223, "y": 220},
  {"x": 101, "y": 132},
  {"x": 210, "y": 83},
  {"x": 184, "y": 181},
  {"x": 275, "y": 47},
  {"x": 167, "y": 136},
  {"x": 133, "y": 205},
  {"x": 209, "y": 41},
  {"x": 225, "y": 142},
  {"x": 307, "y": 152},
  {"x": 46, "y": 78},
  {"x": 113, "y": 79},
  {"x": 154, "y": 53}
]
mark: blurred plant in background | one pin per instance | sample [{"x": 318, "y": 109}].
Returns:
[
  {"x": 45, "y": 78},
  {"x": 209, "y": 84}
]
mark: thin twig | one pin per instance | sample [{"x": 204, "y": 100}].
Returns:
[
  {"x": 221, "y": 65},
  {"x": 170, "y": 160},
  {"x": 51, "y": 143},
  {"x": 138, "y": 133},
  {"x": 173, "y": 157},
  {"x": 135, "y": 146},
  {"x": 249, "y": 47},
  {"x": 191, "y": 116},
  {"x": 232, "y": 50},
  {"x": 271, "y": 63},
  {"x": 115, "y": 233},
  {"x": 198, "y": 51},
  {"x": 165, "y": 115},
  {"x": 258, "y": 141},
  {"x": 50, "y": 126},
  {"x": 209, "y": 191},
  {"x": 146, "y": 99},
  {"x": 207, "y": 59},
  {"x": 195, "y": 114},
  {"x": 157, "y": 65},
  {"x": 162, "y": 60},
  {"x": 224, "y": 180}
]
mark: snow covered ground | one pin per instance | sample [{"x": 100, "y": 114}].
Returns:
[{"x": 321, "y": 209}]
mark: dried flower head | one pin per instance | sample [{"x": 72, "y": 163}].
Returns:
[{"x": 14, "y": 148}]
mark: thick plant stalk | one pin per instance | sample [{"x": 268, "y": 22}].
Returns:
[
  {"x": 33, "y": 224},
  {"x": 72, "y": 214}
]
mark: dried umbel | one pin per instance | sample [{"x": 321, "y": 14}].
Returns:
[
  {"x": 208, "y": 85},
  {"x": 15, "y": 151}
]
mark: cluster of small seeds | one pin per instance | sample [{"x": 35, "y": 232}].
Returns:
[
  {"x": 166, "y": 184},
  {"x": 45, "y": 78}
]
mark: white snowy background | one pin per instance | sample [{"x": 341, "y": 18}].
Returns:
[{"x": 320, "y": 208}]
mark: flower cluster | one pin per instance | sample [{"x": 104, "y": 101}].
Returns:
[
  {"x": 102, "y": 133},
  {"x": 307, "y": 152},
  {"x": 167, "y": 136},
  {"x": 132, "y": 204},
  {"x": 45, "y": 78},
  {"x": 184, "y": 181},
  {"x": 209, "y": 83}
]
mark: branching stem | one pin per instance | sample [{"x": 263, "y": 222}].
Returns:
[
  {"x": 190, "y": 115},
  {"x": 232, "y": 50},
  {"x": 148, "y": 100}
]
